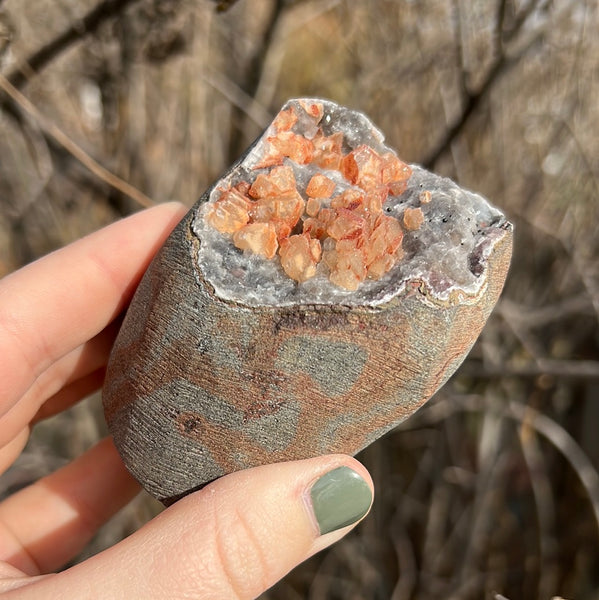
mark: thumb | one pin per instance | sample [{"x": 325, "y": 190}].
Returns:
[{"x": 233, "y": 539}]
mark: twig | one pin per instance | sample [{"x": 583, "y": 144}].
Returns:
[
  {"x": 534, "y": 317},
  {"x": 253, "y": 75},
  {"x": 492, "y": 470},
  {"x": 472, "y": 103},
  {"x": 72, "y": 148},
  {"x": 540, "y": 483},
  {"x": 568, "y": 369},
  {"x": 298, "y": 17},
  {"x": 542, "y": 424},
  {"x": 580, "y": 264},
  {"x": 224, "y": 5},
  {"x": 254, "y": 71},
  {"x": 502, "y": 64},
  {"x": 406, "y": 559},
  {"x": 521, "y": 18},
  {"x": 499, "y": 25},
  {"x": 237, "y": 97},
  {"x": 80, "y": 29},
  {"x": 459, "y": 49},
  {"x": 566, "y": 444}
]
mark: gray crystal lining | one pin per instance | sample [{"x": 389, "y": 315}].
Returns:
[{"x": 447, "y": 254}]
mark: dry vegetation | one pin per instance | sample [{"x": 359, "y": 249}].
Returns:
[{"x": 492, "y": 489}]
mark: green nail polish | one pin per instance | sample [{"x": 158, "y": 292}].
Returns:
[{"x": 339, "y": 498}]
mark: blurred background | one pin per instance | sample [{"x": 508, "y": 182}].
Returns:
[{"x": 491, "y": 490}]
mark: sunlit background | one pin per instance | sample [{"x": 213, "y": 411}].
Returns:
[{"x": 491, "y": 490}]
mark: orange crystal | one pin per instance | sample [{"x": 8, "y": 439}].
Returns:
[
  {"x": 320, "y": 186},
  {"x": 327, "y": 150},
  {"x": 314, "y": 109},
  {"x": 374, "y": 200},
  {"x": 243, "y": 187},
  {"x": 363, "y": 167},
  {"x": 413, "y": 218},
  {"x": 351, "y": 199},
  {"x": 285, "y": 120},
  {"x": 230, "y": 212},
  {"x": 282, "y": 228},
  {"x": 398, "y": 187},
  {"x": 360, "y": 239},
  {"x": 315, "y": 228},
  {"x": 393, "y": 169},
  {"x": 425, "y": 197},
  {"x": 380, "y": 266},
  {"x": 288, "y": 209},
  {"x": 280, "y": 180},
  {"x": 312, "y": 207},
  {"x": 346, "y": 225},
  {"x": 296, "y": 147},
  {"x": 347, "y": 266},
  {"x": 299, "y": 256},
  {"x": 270, "y": 157},
  {"x": 381, "y": 251},
  {"x": 258, "y": 238}
]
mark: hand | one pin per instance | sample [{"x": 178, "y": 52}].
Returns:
[{"x": 233, "y": 539}]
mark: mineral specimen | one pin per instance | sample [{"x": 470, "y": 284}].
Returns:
[
  {"x": 316, "y": 296},
  {"x": 356, "y": 217}
]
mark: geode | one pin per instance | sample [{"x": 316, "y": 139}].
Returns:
[{"x": 316, "y": 296}]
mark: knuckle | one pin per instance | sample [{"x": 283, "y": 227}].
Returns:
[{"x": 240, "y": 554}]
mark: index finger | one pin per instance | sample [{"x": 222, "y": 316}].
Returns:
[{"x": 60, "y": 301}]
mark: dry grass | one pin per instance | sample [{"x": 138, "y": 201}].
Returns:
[{"x": 492, "y": 488}]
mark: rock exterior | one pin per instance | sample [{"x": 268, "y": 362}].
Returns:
[{"x": 241, "y": 349}]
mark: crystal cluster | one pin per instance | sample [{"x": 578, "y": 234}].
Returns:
[
  {"x": 331, "y": 212},
  {"x": 319, "y": 211}
]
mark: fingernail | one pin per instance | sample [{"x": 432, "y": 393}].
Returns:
[{"x": 339, "y": 498}]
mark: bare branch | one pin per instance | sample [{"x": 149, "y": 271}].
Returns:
[
  {"x": 566, "y": 444},
  {"x": 459, "y": 48},
  {"x": 567, "y": 369},
  {"x": 71, "y": 147},
  {"x": 540, "y": 483},
  {"x": 253, "y": 75},
  {"x": 79, "y": 30},
  {"x": 472, "y": 102},
  {"x": 521, "y": 18},
  {"x": 499, "y": 25},
  {"x": 237, "y": 97},
  {"x": 525, "y": 316},
  {"x": 502, "y": 64},
  {"x": 224, "y": 5},
  {"x": 542, "y": 424},
  {"x": 297, "y": 18}
]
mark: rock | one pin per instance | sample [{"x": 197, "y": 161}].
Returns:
[{"x": 316, "y": 296}]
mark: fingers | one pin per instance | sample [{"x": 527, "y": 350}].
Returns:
[
  {"x": 49, "y": 522},
  {"x": 74, "y": 366},
  {"x": 10, "y": 452},
  {"x": 234, "y": 539},
  {"x": 59, "y": 302},
  {"x": 64, "y": 383},
  {"x": 70, "y": 394}
]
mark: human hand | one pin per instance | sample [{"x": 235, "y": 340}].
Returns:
[{"x": 233, "y": 539}]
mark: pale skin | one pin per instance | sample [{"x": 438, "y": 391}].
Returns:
[{"x": 233, "y": 539}]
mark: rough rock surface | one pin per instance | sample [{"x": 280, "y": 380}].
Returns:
[{"x": 225, "y": 362}]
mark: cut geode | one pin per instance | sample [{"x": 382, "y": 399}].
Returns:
[
  {"x": 452, "y": 228},
  {"x": 315, "y": 297}
]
